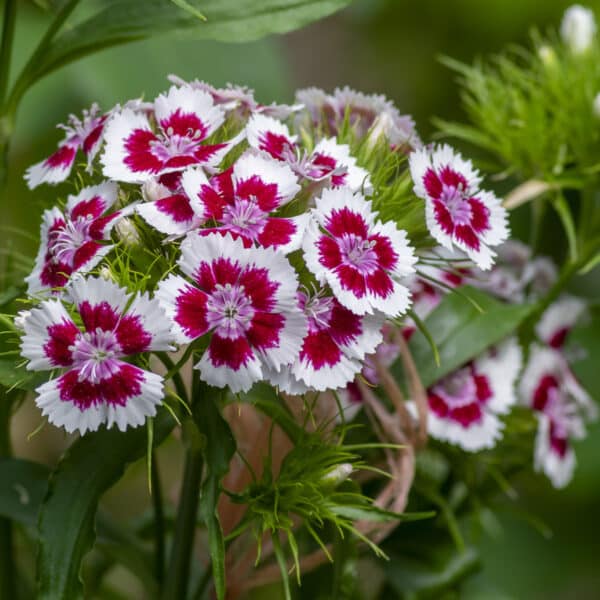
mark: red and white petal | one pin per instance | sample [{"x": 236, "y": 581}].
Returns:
[
  {"x": 230, "y": 363},
  {"x": 184, "y": 108},
  {"x": 100, "y": 302},
  {"x": 501, "y": 367},
  {"x": 55, "y": 168},
  {"x": 269, "y": 172},
  {"x": 342, "y": 202},
  {"x": 356, "y": 178},
  {"x": 139, "y": 407},
  {"x": 93, "y": 201},
  {"x": 172, "y": 215},
  {"x": 127, "y": 155},
  {"x": 49, "y": 333},
  {"x": 542, "y": 361},
  {"x": 185, "y": 307},
  {"x": 395, "y": 244},
  {"x": 367, "y": 341},
  {"x": 285, "y": 381},
  {"x": 444, "y": 156},
  {"x": 51, "y": 219},
  {"x": 559, "y": 319},
  {"x": 498, "y": 231},
  {"x": 479, "y": 435},
  {"x": 559, "y": 468},
  {"x": 284, "y": 234},
  {"x": 269, "y": 135},
  {"x": 145, "y": 318},
  {"x": 205, "y": 201}
]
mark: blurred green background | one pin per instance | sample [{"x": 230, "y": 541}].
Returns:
[{"x": 385, "y": 46}]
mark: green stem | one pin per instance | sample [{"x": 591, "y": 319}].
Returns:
[
  {"x": 177, "y": 579},
  {"x": 7, "y": 562},
  {"x": 159, "y": 522},
  {"x": 8, "y": 34}
]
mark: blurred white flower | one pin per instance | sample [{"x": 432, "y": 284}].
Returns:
[{"x": 578, "y": 28}]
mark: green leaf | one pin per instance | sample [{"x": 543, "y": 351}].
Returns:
[
  {"x": 92, "y": 464},
  {"x": 19, "y": 378},
  {"x": 23, "y": 488},
  {"x": 566, "y": 218},
  {"x": 218, "y": 451},
  {"x": 373, "y": 513},
  {"x": 461, "y": 332},
  {"x": 122, "y": 21}
]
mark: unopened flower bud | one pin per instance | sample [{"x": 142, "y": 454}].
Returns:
[
  {"x": 127, "y": 232},
  {"x": 152, "y": 190},
  {"x": 20, "y": 319},
  {"x": 547, "y": 55},
  {"x": 337, "y": 475},
  {"x": 106, "y": 273},
  {"x": 578, "y": 28}
]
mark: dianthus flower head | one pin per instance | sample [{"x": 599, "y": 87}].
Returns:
[
  {"x": 243, "y": 201},
  {"x": 329, "y": 161},
  {"x": 558, "y": 320},
  {"x": 464, "y": 406},
  {"x": 185, "y": 118},
  {"x": 562, "y": 406},
  {"x": 362, "y": 259},
  {"x": 73, "y": 241},
  {"x": 80, "y": 134},
  {"x": 457, "y": 211},
  {"x": 244, "y": 299},
  {"x": 98, "y": 385},
  {"x": 334, "y": 347}
]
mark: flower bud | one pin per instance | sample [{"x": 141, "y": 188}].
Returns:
[
  {"x": 127, "y": 232},
  {"x": 106, "y": 273},
  {"x": 578, "y": 28},
  {"x": 20, "y": 319},
  {"x": 547, "y": 55},
  {"x": 337, "y": 475}
]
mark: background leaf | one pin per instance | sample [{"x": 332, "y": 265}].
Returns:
[
  {"x": 461, "y": 332},
  {"x": 92, "y": 464},
  {"x": 122, "y": 21}
]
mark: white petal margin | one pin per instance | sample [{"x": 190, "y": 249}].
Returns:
[
  {"x": 154, "y": 321},
  {"x": 327, "y": 377},
  {"x": 559, "y": 469},
  {"x": 36, "y": 323},
  {"x": 137, "y": 408},
  {"x": 477, "y": 436},
  {"x": 501, "y": 367},
  {"x": 163, "y": 222},
  {"x": 107, "y": 192},
  {"x": 96, "y": 290},
  {"x": 498, "y": 218},
  {"x": 42, "y": 172},
  {"x": 269, "y": 171},
  {"x": 240, "y": 380},
  {"x": 189, "y": 101},
  {"x": 563, "y": 314},
  {"x": 118, "y": 129},
  {"x": 301, "y": 223},
  {"x": 192, "y": 181},
  {"x": 258, "y": 125},
  {"x": 285, "y": 381}
]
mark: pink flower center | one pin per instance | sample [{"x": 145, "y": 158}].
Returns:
[
  {"x": 457, "y": 203},
  {"x": 359, "y": 253},
  {"x": 245, "y": 217},
  {"x": 318, "y": 311},
  {"x": 65, "y": 242},
  {"x": 229, "y": 311},
  {"x": 173, "y": 144},
  {"x": 95, "y": 355},
  {"x": 458, "y": 390}
]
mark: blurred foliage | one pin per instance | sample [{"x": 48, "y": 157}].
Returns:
[{"x": 385, "y": 46}]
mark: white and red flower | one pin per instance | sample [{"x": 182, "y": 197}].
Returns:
[
  {"x": 464, "y": 407},
  {"x": 366, "y": 113},
  {"x": 74, "y": 241},
  {"x": 98, "y": 385},
  {"x": 81, "y": 134},
  {"x": 185, "y": 118},
  {"x": 334, "y": 348},
  {"x": 329, "y": 161},
  {"x": 549, "y": 387},
  {"x": 241, "y": 201},
  {"x": 558, "y": 320},
  {"x": 457, "y": 211},
  {"x": 244, "y": 299},
  {"x": 360, "y": 258}
]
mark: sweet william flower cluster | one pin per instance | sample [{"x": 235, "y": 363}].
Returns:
[{"x": 255, "y": 241}]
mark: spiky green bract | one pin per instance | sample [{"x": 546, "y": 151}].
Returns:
[{"x": 533, "y": 110}]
